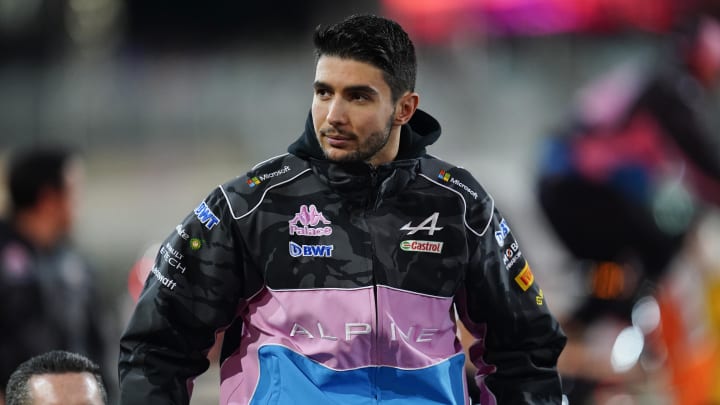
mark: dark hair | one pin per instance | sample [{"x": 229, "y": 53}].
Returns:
[
  {"x": 31, "y": 170},
  {"x": 52, "y": 362},
  {"x": 374, "y": 40}
]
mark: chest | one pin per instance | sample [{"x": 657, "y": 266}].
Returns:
[{"x": 412, "y": 240}]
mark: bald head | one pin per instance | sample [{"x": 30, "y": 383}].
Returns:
[
  {"x": 54, "y": 378},
  {"x": 71, "y": 388}
]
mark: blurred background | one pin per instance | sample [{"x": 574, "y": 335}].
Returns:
[{"x": 166, "y": 99}]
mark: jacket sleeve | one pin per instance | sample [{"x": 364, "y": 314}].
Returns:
[
  {"x": 193, "y": 291},
  {"x": 518, "y": 340}
]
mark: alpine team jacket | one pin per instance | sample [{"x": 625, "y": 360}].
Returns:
[{"x": 340, "y": 284}]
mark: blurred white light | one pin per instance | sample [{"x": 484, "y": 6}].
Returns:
[
  {"x": 627, "y": 349},
  {"x": 646, "y": 315}
]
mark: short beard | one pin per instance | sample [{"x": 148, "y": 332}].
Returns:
[{"x": 372, "y": 145}]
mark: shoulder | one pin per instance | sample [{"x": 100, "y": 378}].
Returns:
[
  {"x": 244, "y": 193},
  {"x": 479, "y": 204}
]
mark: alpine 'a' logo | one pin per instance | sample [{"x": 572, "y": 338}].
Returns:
[{"x": 431, "y": 228}]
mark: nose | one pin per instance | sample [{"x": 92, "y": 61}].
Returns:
[{"x": 337, "y": 112}]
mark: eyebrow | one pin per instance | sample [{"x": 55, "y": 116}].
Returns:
[{"x": 357, "y": 88}]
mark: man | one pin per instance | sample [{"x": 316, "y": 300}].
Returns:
[
  {"x": 336, "y": 271},
  {"x": 57, "y": 378},
  {"x": 47, "y": 297}
]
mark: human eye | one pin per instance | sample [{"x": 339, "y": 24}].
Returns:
[
  {"x": 322, "y": 93},
  {"x": 359, "y": 97}
]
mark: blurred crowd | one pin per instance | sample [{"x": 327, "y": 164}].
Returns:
[{"x": 626, "y": 182}]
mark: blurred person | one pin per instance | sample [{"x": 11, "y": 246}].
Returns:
[
  {"x": 337, "y": 271},
  {"x": 48, "y": 299},
  {"x": 57, "y": 377},
  {"x": 629, "y": 176}
]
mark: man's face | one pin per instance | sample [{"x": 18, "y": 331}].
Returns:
[
  {"x": 67, "y": 200},
  {"x": 65, "y": 389},
  {"x": 353, "y": 112}
]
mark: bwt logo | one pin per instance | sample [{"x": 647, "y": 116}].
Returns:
[
  {"x": 206, "y": 216},
  {"x": 310, "y": 250}
]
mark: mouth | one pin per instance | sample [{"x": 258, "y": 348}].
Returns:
[{"x": 336, "y": 138}]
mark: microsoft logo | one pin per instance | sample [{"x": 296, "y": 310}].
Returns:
[
  {"x": 252, "y": 182},
  {"x": 444, "y": 175}
]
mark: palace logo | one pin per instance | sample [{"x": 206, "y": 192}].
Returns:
[{"x": 305, "y": 222}]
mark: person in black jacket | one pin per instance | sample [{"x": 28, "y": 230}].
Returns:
[
  {"x": 337, "y": 271},
  {"x": 48, "y": 299}
]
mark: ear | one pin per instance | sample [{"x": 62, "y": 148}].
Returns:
[{"x": 405, "y": 108}]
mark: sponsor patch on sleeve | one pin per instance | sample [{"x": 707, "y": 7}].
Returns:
[
  {"x": 205, "y": 215},
  {"x": 525, "y": 278}
]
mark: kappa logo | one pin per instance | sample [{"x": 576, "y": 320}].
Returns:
[
  {"x": 309, "y": 218},
  {"x": 429, "y": 225}
]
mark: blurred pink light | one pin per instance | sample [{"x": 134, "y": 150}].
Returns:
[{"x": 442, "y": 20}]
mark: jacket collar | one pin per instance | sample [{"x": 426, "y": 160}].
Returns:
[{"x": 356, "y": 178}]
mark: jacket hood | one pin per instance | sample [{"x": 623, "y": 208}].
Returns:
[{"x": 422, "y": 130}]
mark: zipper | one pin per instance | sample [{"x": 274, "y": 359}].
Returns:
[{"x": 372, "y": 199}]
